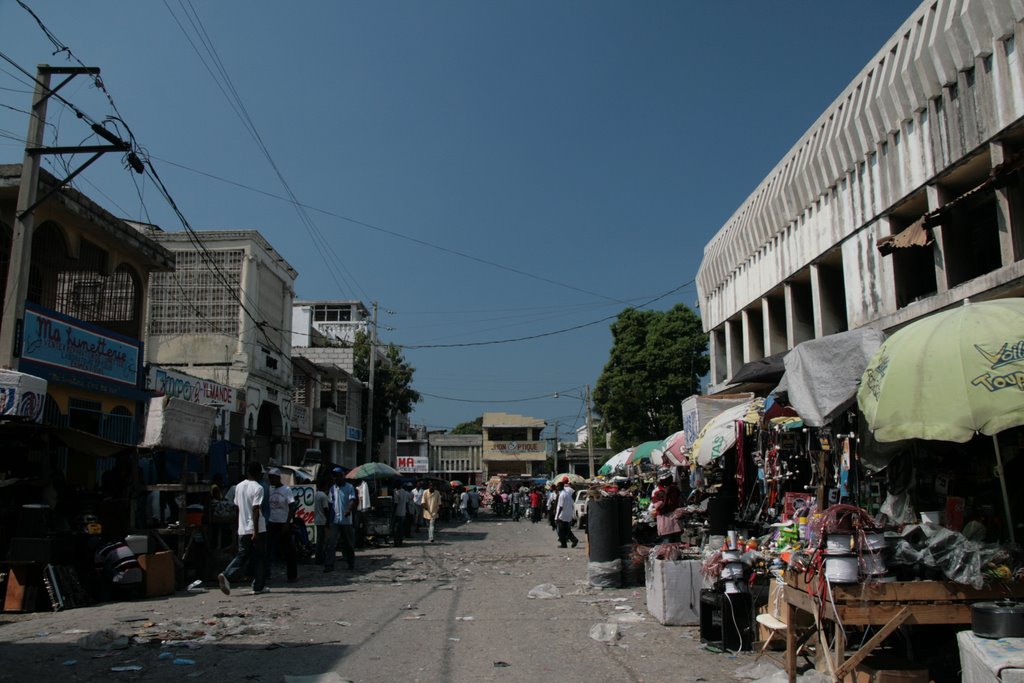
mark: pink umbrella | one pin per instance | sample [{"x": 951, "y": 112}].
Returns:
[{"x": 672, "y": 450}]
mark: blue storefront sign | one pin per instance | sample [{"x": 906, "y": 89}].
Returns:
[
  {"x": 65, "y": 350},
  {"x": 353, "y": 434}
]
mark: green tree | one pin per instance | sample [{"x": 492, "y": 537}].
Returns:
[
  {"x": 656, "y": 361},
  {"x": 392, "y": 386},
  {"x": 472, "y": 427}
]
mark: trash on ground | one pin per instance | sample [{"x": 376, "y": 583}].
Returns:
[
  {"x": 756, "y": 670},
  {"x": 605, "y": 633},
  {"x": 329, "y": 677},
  {"x": 501, "y": 665},
  {"x": 463, "y": 618},
  {"x": 181, "y": 661},
  {"x": 130, "y": 667},
  {"x": 106, "y": 639},
  {"x": 166, "y": 655},
  {"x": 196, "y": 586},
  {"x": 343, "y": 623},
  {"x": 544, "y": 591},
  {"x": 69, "y": 662}
]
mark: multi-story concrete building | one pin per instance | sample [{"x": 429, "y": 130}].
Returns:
[
  {"x": 457, "y": 456},
  {"x": 512, "y": 444},
  {"x": 82, "y": 326},
  {"x": 329, "y": 323},
  {"x": 327, "y": 411},
  {"x": 903, "y": 198},
  {"x": 225, "y": 315}
]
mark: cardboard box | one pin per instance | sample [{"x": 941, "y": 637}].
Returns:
[
  {"x": 158, "y": 569},
  {"x": 890, "y": 670}
]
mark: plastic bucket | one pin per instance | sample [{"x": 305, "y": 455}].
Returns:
[{"x": 841, "y": 568}]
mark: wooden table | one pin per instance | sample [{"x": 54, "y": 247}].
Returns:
[{"x": 889, "y": 605}]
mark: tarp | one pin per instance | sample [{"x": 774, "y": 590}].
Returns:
[
  {"x": 22, "y": 395},
  {"x": 178, "y": 424},
  {"x": 822, "y": 375},
  {"x": 768, "y": 370}
]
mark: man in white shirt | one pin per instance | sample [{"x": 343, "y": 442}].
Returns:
[
  {"x": 563, "y": 516},
  {"x": 417, "y": 505},
  {"x": 252, "y": 531},
  {"x": 321, "y": 507},
  {"x": 403, "y": 501},
  {"x": 282, "y": 510}
]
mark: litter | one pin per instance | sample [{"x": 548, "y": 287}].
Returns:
[
  {"x": 69, "y": 662},
  {"x": 181, "y": 661},
  {"x": 130, "y": 667},
  {"x": 544, "y": 591},
  {"x": 455, "y": 640},
  {"x": 196, "y": 586},
  {"x": 501, "y": 665},
  {"x": 166, "y": 655},
  {"x": 605, "y": 633},
  {"x": 103, "y": 640},
  {"x": 343, "y": 623},
  {"x": 623, "y": 607},
  {"x": 463, "y": 618},
  {"x": 756, "y": 670}
]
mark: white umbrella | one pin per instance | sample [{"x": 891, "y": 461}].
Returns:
[
  {"x": 616, "y": 461},
  {"x": 719, "y": 434}
]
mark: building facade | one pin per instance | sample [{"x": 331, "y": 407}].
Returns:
[
  {"x": 457, "y": 456},
  {"x": 329, "y": 401},
  {"x": 82, "y": 328},
  {"x": 904, "y": 197},
  {"x": 512, "y": 445},
  {"x": 323, "y": 323},
  {"x": 224, "y": 315}
]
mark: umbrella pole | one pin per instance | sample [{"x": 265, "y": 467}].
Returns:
[{"x": 1002, "y": 485}]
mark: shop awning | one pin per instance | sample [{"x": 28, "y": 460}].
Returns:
[{"x": 75, "y": 439}]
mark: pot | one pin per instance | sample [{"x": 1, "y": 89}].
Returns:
[{"x": 1002, "y": 619}]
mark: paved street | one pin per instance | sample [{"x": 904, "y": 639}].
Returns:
[{"x": 455, "y": 610}]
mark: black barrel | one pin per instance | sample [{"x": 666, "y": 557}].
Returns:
[{"x": 603, "y": 528}]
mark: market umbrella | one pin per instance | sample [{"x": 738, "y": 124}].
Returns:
[
  {"x": 672, "y": 450},
  {"x": 719, "y": 434},
  {"x": 949, "y": 376},
  {"x": 569, "y": 477},
  {"x": 648, "y": 450},
  {"x": 372, "y": 470},
  {"x": 455, "y": 483},
  {"x": 615, "y": 462}
]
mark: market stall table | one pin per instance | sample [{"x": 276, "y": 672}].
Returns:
[
  {"x": 888, "y": 605},
  {"x": 985, "y": 660}
]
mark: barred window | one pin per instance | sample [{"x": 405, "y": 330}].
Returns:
[{"x": 194, "y": 299}]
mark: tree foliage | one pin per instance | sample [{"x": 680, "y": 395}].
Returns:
[
  {"x": 656, "y": 361},
  {"x": 472, "y": 427},
  {"x": 392, "y": 385}
]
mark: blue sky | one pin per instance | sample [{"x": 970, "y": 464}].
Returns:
[{"x": 579, "y": 155}]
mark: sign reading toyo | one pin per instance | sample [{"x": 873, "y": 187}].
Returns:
[
  {"x": 412, "y": 464},
  {"x": 192, "y": 389}
]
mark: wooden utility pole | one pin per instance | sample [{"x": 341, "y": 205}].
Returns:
[{"x": 20, "y": 264}]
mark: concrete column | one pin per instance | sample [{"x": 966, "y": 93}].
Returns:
[
  {"x": 753, "y": 335},
  {"x": 774, "y": 327},
  {"x": 817, "y": 302},
  {"x": 884, "y": 271},
  {"x": 1011, "y": 236},
  {"x": 937, "y": 197},
  {"x": 798, "y": 327},
  {"x": 730, "y": 352},
  {"x": 713, "y": 357}
]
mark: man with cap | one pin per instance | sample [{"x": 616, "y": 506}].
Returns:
[
  {"x": 343, "y": 504},
  {"x": 282, "y": 510},
  {"x": 252, "y": 528},
  {"x": 563, "y": 515}
]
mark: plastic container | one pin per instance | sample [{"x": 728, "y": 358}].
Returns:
[
  {"x": 137, "y": 543},
  {"x": 842, "y": 568},
  {"x": 933, "y": 517}
]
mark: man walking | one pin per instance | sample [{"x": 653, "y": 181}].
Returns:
[
  {"x": 464, "y": 506},
  {"x": 417, "y": 506},
  {"x": 252, "y": 532},
  {"x": 321, "y": 508},
  {"x": 282, "y": 510},
  {"x": 563, "y": 516},
  {"x": 343, "y": 503},
  {"x": 431, "y": 508},
  {"x": 402, "y": 500}
]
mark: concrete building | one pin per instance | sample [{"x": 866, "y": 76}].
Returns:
[
  {"x": 457, "y": 456},
  {"x": 512, "y": 444},
  {"x": 327, "y": 411},
  {"x": 904, "y": 197},
  {"x": 82, "y": 327},
  {"x": 327, "y": 323},
  {"x": 225, "y": 315}
]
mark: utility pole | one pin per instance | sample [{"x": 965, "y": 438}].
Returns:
[
  {"x": 555, "y": 466},
  {"x": 24, "y": 223},
  {"x": 20, "y": 263},
  {"x": 590, "y": 435},
  {"x": 369, "y": 388}
]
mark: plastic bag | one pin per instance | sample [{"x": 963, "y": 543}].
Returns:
[
  {"x": 605, "y": 633},
  {"x": 544, "y": 591},
  {"x": 959, "y": 559},
  {"x": 898, "y": 508},
  {"x": 605, "y": 574}
]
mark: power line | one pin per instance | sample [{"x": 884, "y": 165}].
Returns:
[
  {"x": 396, "y": 234},
  {"x": 550, "y": 395}
]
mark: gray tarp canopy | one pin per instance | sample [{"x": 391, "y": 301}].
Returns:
[{"x": 822, "y": 375}]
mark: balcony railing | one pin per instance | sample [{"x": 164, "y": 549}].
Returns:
[{"x": 328, "y": 424}]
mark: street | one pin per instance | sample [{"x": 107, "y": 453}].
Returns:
[{"x": 454, "y": 610}]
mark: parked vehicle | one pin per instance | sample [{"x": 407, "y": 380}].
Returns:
[{"x": 579, "y": 509}]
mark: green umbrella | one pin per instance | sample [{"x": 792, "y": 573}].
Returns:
[
  {"x": 949, "y": 376},
  {"x": 646, "y": 451},
  {"x": 372, "y": 470}
]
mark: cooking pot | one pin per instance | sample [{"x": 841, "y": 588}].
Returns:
[{"x": 1001, "y": 619}]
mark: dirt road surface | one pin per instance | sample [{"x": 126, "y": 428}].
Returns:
[{"x": 453, "y": 610}]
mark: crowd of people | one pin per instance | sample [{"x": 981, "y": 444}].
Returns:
[{"x": 267, "y": 526}]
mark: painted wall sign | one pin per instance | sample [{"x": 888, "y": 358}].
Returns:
[
  {"x": 192, "y": 389},
  {"x": 68, "y": 349},
  {"x": 409, "y": 463},
  {"x": 519, "y": 446}
]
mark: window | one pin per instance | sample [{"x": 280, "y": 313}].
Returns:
[{"x": 193, "y": 299}]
